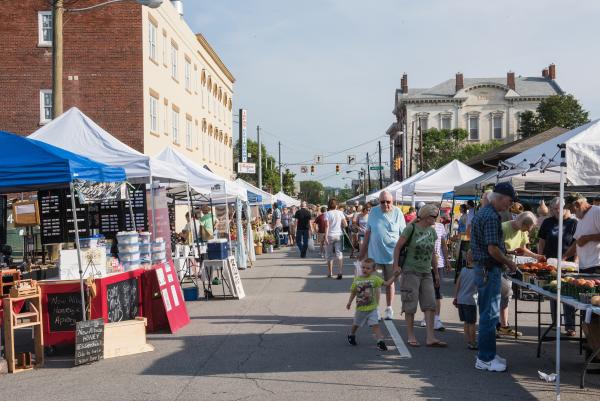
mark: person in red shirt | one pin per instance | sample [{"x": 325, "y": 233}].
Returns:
[
  {"x": 321, "y": 223},
  {"x": 411, "y": 215}
]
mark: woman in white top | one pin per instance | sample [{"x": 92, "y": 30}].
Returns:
[{"x": 335, "y": 222}]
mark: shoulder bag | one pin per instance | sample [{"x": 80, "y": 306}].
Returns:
[{"x": 404, "y": 250}]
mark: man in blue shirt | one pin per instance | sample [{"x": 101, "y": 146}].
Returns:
[
  {"x": 489, "y": 255},
  {"x": 385, "y": 224}
]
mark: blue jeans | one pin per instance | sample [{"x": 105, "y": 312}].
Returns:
[
  {"x": 489, "y": 310},
  {"x": 276, "y": 232},
  {"x": 302, "y": 241}
]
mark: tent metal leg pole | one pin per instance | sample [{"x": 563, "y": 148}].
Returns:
[
  {"x": 78, "y": 245},
  {"x": 558, "y": 267},
  {"x": 153, "y": 206},
  {"x": 133, "y": 223}
]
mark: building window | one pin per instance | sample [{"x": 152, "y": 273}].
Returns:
[
  {"x": 188, "y": 134},
  {"x": 497, "y": 126},
  {"x": 164, "y": 48},
  {"x": 152, "y": 41},
  {"x": 166, "y": 118},
  {"x": 422, "y": 123},
  {"x": 175, "y": 126},
  {"x": 153, "y": 114},
  {"x": 474, "y": 128},
  {"x": 187, "y": 77},
  {"x": 446, "y": 122},
  {"x": 174, "y": 55},
  {"x": 45, "y": 106},
  {"x": 195, "y": 79},
  {"x": 45, "y": 28}
]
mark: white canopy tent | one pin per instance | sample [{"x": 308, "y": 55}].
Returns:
[
  {"x": 574, "y": 158},
  {"x": 407, "y": 191},
  {"x": 395, "y": 186},
  {"x": 286, "y": 200},
  {"x": 432, "y": 187},
  {"x": 267, "y": 198},
  {"x": 77, "y": 133}
]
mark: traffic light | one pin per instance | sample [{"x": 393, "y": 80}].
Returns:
[
  {"x": 312, "y": 169},
  {"x": 337, "y": 169},
  {"x": 397, "y": 163}
]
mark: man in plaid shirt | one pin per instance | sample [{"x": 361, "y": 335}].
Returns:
[{"x": 489, "y": 255}]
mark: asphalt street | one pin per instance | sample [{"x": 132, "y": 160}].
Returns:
[{"x": 287, "y": 341}]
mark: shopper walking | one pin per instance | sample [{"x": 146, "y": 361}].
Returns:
[
  {"x": 320, "y": 224},
  {"x": 587, "y": 234},
  {"x": 276, "y": 224},
  {"x": 417, "y": 285},
  {"x": 335, "y": 223},
  {"x": 303, "y": 231},
  {"x": 384, "y": 226},
  {"x": 489, "y": 255}
]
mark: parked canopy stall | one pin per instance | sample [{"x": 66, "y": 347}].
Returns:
[
  {"x": 30, "y": 165},
  {"x": 396, "y": 186},
  {"x": 256, "y": 196},
  {"x": 286, "y": 200}
]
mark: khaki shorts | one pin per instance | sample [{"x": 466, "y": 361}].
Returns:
[
  {"x": 387, "y": 270},
  {"x": 321, "y": 238},
  {"x": 333, "y": 250},
  {"x": 417, "y": 288},
  {"x": 370, "y": 318}
]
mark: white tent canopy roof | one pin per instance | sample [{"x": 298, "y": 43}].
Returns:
[
  {"x": 408, "y": 189},
  {"x": 396, "y": 186},
  {"x": 442, "y": 180},
  {"x": 76, "y": 132},
  {"x": 286, "y": 200},
  {"x": 267, "y": 198},
  {"x": 204, "y": 181},
  {"x": 582, "y": 155}
]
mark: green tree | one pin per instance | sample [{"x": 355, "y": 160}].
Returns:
[
  {"x": 554, "y": 111},
  {"x": 312, "y": 191}
]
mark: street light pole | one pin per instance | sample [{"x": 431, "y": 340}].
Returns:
[{"x": 58, "y": 10}]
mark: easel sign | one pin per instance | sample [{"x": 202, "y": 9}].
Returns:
[
  {"x": 170, "y": 307},
  {"x": 89, "y": 341},
  {"x": 234, "y": 278}
]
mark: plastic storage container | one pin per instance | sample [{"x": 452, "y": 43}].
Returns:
[
  {"x": 160, "y": 255},
  {"x": 145, "y": 237},
  {"x": 129, "y": 256},
  {"x": 88, "y": 242},
  {"x": 218, "y": 249},
  {"x": 131, "y": 265},
  {"x": 159, "y": 246},
  {"x": 128, "y": 237},
  {"x": 145, "y": 248},
  {"x": 128, "y": 248}
]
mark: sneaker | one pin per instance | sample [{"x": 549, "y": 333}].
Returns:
[
  {"x": 389, "y": 313},
  {"x": 508, "y": 331},
  {"x": 437, "y": 325},
  {"x": 339, "y": 276},
  {"x": 352, "y": 339},
  {"x": 500, "y": 359},
  {"x": 493, "y": 366},
  {"x": 381, "y": 345},
  {"x": 423, "y": 323},
  {"x": 473, "y": 346}
]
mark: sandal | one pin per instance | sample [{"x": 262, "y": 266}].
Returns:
[
  {"x": 438, "y": 344},
  {"x": 413, "y": 343}
]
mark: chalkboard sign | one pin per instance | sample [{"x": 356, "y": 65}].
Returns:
[
  {"x": 115, "y": 216},
  {"x": 64, "y": 310},
  {"x": 3, "y": 204},
  {"x": 123, "y": 300},
  {"x": 89, "y": 341},
  {"x": 56, "y": 217}
]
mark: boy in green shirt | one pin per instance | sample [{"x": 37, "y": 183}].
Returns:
[{"x": 367, "y": 290}]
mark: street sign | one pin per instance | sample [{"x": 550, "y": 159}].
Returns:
[
  {"x": 319, "y": 159},
  {"x": 247, "y": 168},
  {"x": 376, "y": 168},
  {"x": 351, "y": 159},
  {"x": 304, "y": 169}
]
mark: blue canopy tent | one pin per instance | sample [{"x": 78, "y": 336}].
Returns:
[{"x": 30, "y": 165}]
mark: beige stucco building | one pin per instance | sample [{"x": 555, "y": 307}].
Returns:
[
  {"x": 488, "y": 108},
  {"x": 187, "y": 92}
]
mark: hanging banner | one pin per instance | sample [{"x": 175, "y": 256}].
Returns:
[
  {"x": 94, "y": 192},
  {"x": 243, "y": 125}
]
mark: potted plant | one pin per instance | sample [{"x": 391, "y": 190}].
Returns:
[
  {"x": 268, "y": 243},
  {"x": 258, "y": 247}
]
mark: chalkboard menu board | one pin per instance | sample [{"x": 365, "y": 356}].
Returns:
[
  {"x": 3, "y": 204},
  {"x": 123, "y": 300},
  {"x": 115, "y": 216},
  {"x": 64, "y": 310},
  {"x": 89, "y": 341},
  {"x": 56, "y": 217}
]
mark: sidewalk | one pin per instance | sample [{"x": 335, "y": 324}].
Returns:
[{"x": 287, "y": 341}]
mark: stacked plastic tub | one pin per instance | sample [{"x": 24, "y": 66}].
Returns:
[
  {"x": 129, "y": 249},
  {"x": 145, "y": 250},
  {"x": 159, "y": 251}
]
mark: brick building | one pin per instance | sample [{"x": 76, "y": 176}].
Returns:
[{"x": 140, "y": 73}]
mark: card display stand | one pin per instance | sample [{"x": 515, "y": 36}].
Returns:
[{"x": 15, "y": 318}]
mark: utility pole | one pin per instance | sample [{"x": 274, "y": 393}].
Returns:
[
  {"x": 259, "y": 157},
  {"x": 57, "y": 57},
  {"x": 368, "y": 175},
  {"x": 380, "y": 167},
  {"x": 280, "y": 171}
]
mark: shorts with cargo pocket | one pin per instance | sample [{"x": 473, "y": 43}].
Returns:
[{"x": 417, "y": 288}]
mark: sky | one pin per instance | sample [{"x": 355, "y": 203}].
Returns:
[{"x": 320, "y": 75}]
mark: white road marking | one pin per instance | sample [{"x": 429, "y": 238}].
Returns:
[{"x": 400, "y": 346}]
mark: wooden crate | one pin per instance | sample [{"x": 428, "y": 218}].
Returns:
[{"x": 125, "y": 338}]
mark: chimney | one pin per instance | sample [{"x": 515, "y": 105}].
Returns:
[
  {"x": 545, "y": 73},
  {"x": 404, "y": 84},
  {"x": 552, "y": 71},
  {"x": 460, "y": 83},
  {"x": 510, "y": 80}
]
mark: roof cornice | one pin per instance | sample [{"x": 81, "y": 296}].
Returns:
[{"x": 213, "y": 54}]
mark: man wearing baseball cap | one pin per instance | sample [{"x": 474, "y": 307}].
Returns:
[
  {"x": 587, "y": 233},
  {"x": 489, "y": 255}
]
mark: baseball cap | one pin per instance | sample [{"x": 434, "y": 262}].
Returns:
[{"x": 505, "y": 188}]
